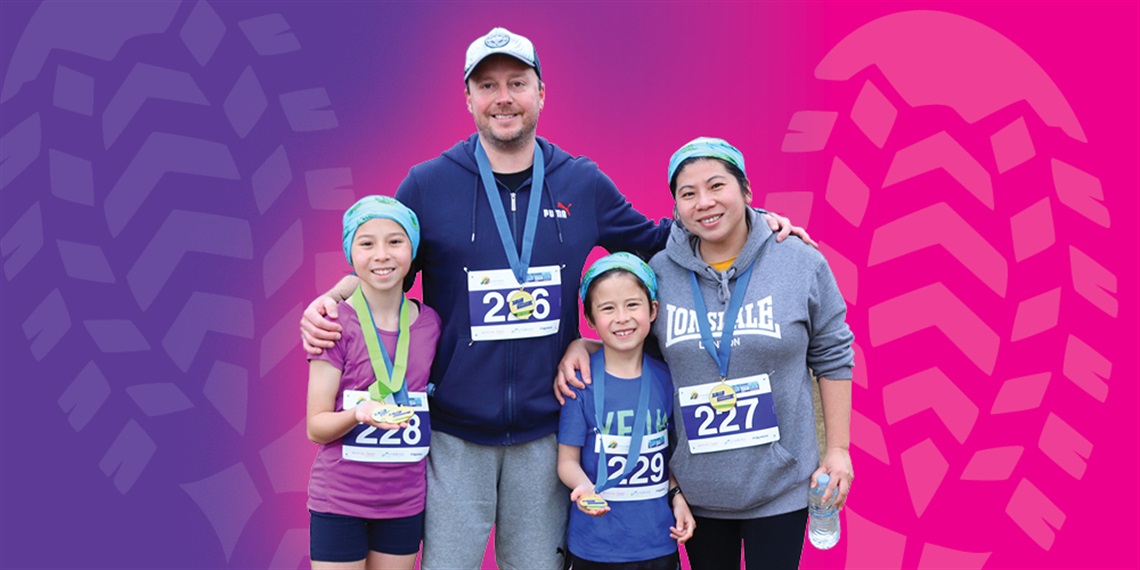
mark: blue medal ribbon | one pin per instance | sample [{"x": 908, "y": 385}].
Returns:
[
  {"x": 520, "y": 266},
  {"x": 603, "y": 480},
  {"x": 721, "y": 353}
]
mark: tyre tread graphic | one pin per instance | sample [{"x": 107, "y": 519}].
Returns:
[
  {"x": 143, "y": 83},
  {"x": 1011, "y": 150},
  {"x": 941, "y": 151}
]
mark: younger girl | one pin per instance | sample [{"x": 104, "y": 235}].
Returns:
[
  {"x": 366, "y": 490},
  {"x": 621, "y": 482}
]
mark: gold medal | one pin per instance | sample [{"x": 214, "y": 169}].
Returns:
[
  {"x": 592, "y": 503},
  {"x": 521, "y": 304},
  {"x": 389, "y": 414},
  {"x": 722, "y": 397}
]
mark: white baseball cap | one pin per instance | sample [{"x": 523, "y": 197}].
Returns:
[{"x": 501, "y": 40}]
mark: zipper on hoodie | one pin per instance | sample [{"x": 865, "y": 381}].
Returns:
[{"x": 510, "y": 375}]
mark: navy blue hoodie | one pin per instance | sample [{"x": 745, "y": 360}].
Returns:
[{"x": 499, "y": 392}]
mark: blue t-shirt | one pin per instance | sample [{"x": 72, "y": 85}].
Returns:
[{"x": 633, "y": 530}]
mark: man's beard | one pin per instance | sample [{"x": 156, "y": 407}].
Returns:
[{"x": 515, "y": 142}]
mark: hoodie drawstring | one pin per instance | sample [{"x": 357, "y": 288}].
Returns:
[
  {"x": 474, "y": 207},
  {"x": 722, "y": 278}
]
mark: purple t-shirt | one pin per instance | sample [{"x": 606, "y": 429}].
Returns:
[{"x": 372, "y": 490}]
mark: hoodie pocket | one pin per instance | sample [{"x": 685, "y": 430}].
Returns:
[
  {"x": 465, "y": 382},
  {"x": 738, "y": 480},
  {"x": 444, "y": 393}
]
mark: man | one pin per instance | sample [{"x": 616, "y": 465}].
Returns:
[{"x": 507, "y": 222}]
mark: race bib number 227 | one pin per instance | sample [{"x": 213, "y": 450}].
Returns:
[{"x": 751, "y": 422}]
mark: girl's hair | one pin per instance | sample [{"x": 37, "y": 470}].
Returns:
[
  {"x": 730, "y": 167},
  {"x": 588, "y": 299}
]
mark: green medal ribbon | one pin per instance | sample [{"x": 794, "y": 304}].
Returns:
[{"x": 389, "y": 377}]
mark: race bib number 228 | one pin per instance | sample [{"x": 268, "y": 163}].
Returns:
[{"x": 371, "y": 445}]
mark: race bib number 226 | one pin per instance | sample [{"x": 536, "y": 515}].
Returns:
[{"x": 492, "y": 294}]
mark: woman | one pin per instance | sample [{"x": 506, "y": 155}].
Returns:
[{"x": 747, "y": 449}]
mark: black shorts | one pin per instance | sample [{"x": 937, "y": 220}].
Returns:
[{"x": 340, "y": 538}]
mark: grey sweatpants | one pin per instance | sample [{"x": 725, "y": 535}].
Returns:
[{"x": 514, "y": 487}]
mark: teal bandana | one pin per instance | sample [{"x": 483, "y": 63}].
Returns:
[
  {"x": 621, "y": 260},
  {"x": 370, "y": 207},
  {"x": 706, "y": 147}
]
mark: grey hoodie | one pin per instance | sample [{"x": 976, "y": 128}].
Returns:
[{"x": 792, "y": 320}]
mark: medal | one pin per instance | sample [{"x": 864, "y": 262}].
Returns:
[
  {"x": 722, "y": 397},
  {"x": 521, "y": 304},
  {"x": 388, "y": 414},
  {"x": 592, "y": 503}
]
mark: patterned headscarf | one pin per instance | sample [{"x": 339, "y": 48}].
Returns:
[
  {"x": 370, "y": 207},
  {"x": 621, "y": 260},
  {"x": 706, "y": 147}
]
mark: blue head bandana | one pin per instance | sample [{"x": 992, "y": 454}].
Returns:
[
  {"x": 706, "y": 147},
  {"x": 370, "y": 207},
  {"x": 621, "y": 260}
]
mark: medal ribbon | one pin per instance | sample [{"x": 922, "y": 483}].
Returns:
[
  {"x": 603, "y": 480},
  {"x": 721, "y": 353},
  {"x": 519, "y": 266},
  {"x": 389, "y": 377}
]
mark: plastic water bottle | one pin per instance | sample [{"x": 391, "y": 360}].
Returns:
[{"x": 823, "y": 528}]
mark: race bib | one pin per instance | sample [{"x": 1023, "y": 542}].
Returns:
[
  {"x": 751, "y": 422},
  {"x": 373, "y": 445},
  {"x": 499, "y": 311},
  {"x": 649, "y": 479}
]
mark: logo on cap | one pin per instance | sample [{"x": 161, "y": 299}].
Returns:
[{"x": 496, "y": 40}]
